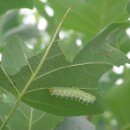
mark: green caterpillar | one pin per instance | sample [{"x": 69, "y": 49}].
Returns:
[{"x": 72, "y": 93}]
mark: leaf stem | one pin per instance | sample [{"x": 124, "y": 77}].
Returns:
[
  {"x": 30, "y": 119},
  {"x": 35, "y": 73}
]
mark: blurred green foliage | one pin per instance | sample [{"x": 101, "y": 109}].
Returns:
[{"x": 94, "y": 37}]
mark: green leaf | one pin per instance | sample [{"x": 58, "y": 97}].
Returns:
[
  {"x": 7, "y": 21},
  {"x": 11, "y": 25},
  {"x": 43, "y": 100},
  {"x": 119, "y": 101},
  {"x": 57, "y": 72},
  {"x": 47, "y": 122},
  {"x": 84, "y": 72},
  {"x": 93, "y": 56},
  {"x": 103, "y": 45},
  {"x": 107, "y": 81},
  {"x": 26, "y": 116},
  {"x": 12, "y": 4},
  {"x": 69, "y": 46},
  {"x": 92, "y": 16},
  {"x": 128, "y": 7},
  {"x": 13, "y": 57},
  {"x": 119, "y": 38}
]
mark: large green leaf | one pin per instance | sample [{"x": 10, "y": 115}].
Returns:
[
  {"x": 12, "y": 4},
  {"x": 57, "y": 72},
  {"x": 95, "y": 55},
  {"x": 90, "y": 17},
  {"x": 84, "y": 72},
  {"x": 21, "y": 78}
]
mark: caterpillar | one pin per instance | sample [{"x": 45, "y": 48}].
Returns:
[{"x": 73, "y": 93}]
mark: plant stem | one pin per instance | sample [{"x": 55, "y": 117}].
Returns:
[
  {"x": 30, "y": 119},
  {"x": 35, "y": 73}
]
